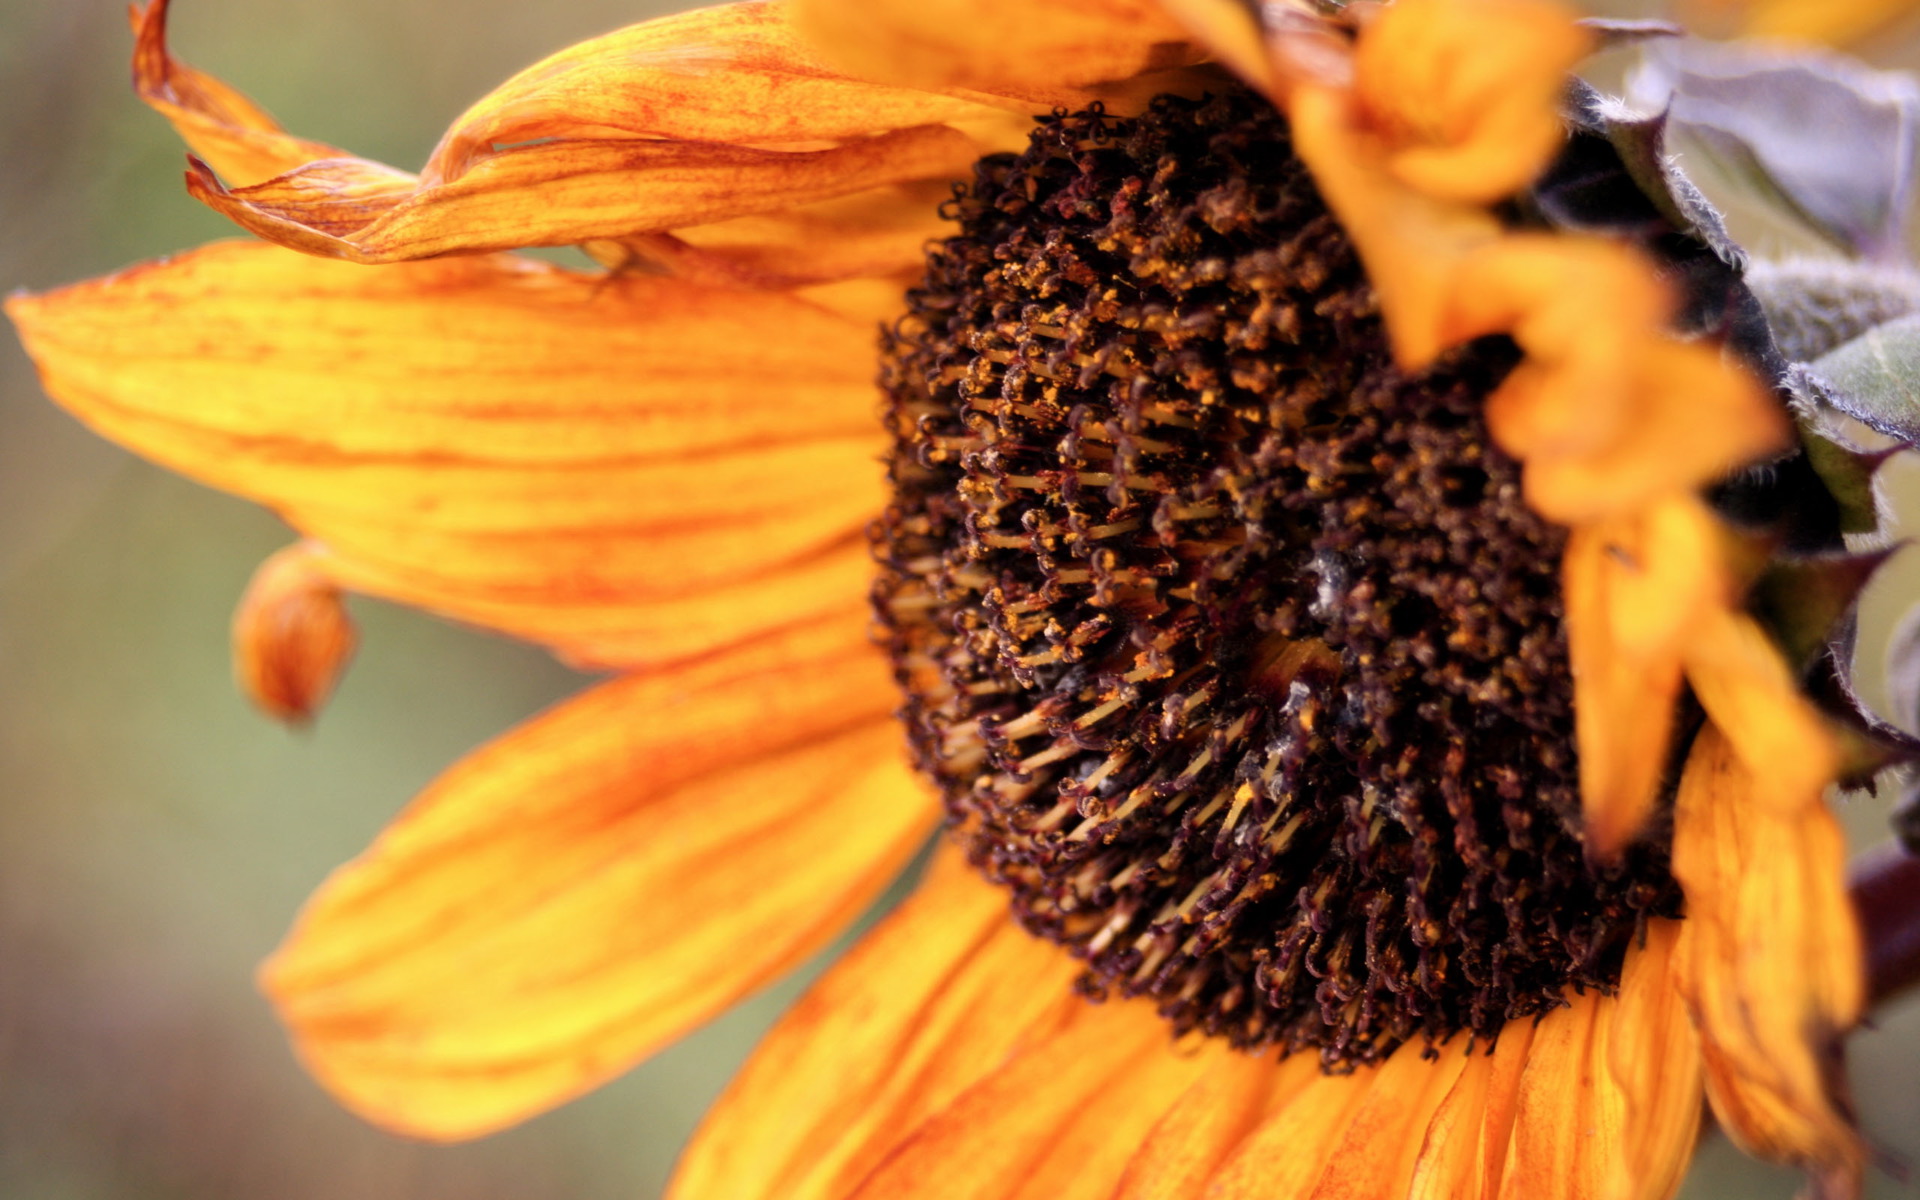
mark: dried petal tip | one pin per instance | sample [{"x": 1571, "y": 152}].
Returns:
[{"x": 291, "y": 635}]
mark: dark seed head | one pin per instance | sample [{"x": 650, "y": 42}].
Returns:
[{"x": 1233, "y": 648}]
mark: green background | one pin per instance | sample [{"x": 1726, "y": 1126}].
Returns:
[{"x": 156, "y": 836}]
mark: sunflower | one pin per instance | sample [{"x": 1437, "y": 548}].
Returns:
[{"x": 1352, "y": 586}]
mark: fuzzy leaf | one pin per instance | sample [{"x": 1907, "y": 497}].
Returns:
[
  {"x": 1875, "y": 378},
  {"x": 1804, "y": 601},
  {"x": 1822, "y": 138},
  {"x": 1849, "y": 474}
]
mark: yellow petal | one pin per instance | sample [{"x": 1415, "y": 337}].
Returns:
[
  {"x": 223, "y": 126},
  {"x": 588, "y": 888},
  {"x": 560, "y": 192},
  {"x": 939, "y": 995},
  {"x": 549, "y": 453},
  {"x": 291, "y": 635},
  {"x": 1465, "y": 93},
  {"x": 1001, "y": 46},
  {"x": 1770, "y": 962}
]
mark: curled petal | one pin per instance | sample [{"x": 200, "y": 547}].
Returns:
[
  {"x": 1464, "y": 93},
  {"x": 1695, "y": 418},
  {"x": 291, "y": 635},
  {"x": 1749, "y": 692},
  {"x": 1770, "y": 962},
  {"x": 1035, "y": 51},
  {"x": 1412, "y": 244},
  {"x": 934, "y": 1000},
  {"x": 1636, "y": 589},
  {"x": 592, "y": 885},
  {"x": 223, "y": 126},
  {"x": 629, "y": 470},
  {"x": 732, "y": 73},
  {"x": 1608, "y": 411},
  {"x": 560, "y": 192}
]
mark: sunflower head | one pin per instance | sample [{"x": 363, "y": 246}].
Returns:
[{"x": 1366, "y": 564}]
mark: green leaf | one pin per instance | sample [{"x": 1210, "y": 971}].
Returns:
[
  {"x": 1820, "y": 138},
  {"x": 1875, "y": 378}
]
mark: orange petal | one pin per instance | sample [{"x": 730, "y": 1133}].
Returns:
[
  {"x": 1834, "y": 21},
  {"x": 291, "y": 635},
  {"x": 928, "y": 1004},
  {"x": 1057, "y": 1122},
  {"x": 1465, "y": 93},
  {"x": 1750, "y": 693},
  {"x": 881, "y": 233},
  {"x": 223, "y": 126},
  {"x": 541, "y": 451},
  {"x": 732, "y": 73},
  {"x": 588, "y": 888},
  {"x": 1321, "y": 1139},
  {"x": 1597, "y": 1115},
  {"x": 1696, "y": 418},
  {"x": 1770, "y": 962},
  {"x": 1232, "y": 33},
  {"x": 1636, "y": 588},
  {"x": 1464, "y": 1150},
  {"x": 564, "y": 191},
  {"x": 1035, "y": 51},
  {"x": 1204, "y": 1126},
  {"x": 1412, "y": 244},
  {"x": 1654, "y": 1060}
]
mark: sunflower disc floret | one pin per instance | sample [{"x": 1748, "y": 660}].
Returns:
[{"x": 1233, "y": 647}]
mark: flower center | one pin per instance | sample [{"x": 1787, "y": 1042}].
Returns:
[{"x": 1232, "y": 647}]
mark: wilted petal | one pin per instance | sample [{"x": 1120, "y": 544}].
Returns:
[
  {"x": 731, "y": 73},
  {"x": 291, "y": 635},
  {"x": 1770, "y": 962},
  {"x": 560, "y": 192},
  {"x": 223, "y": 126},
  {"x": 1034, "y": 51},
  {"x": 1464, "y": 93},
  {"x": 594, "y": 884},
  {"x": 541, "y": 451}
]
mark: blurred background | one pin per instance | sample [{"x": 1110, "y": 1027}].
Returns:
[{"x": 156, "y": 836}]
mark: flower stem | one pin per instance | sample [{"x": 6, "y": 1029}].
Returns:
[{"x": 1886, "y": 890}]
